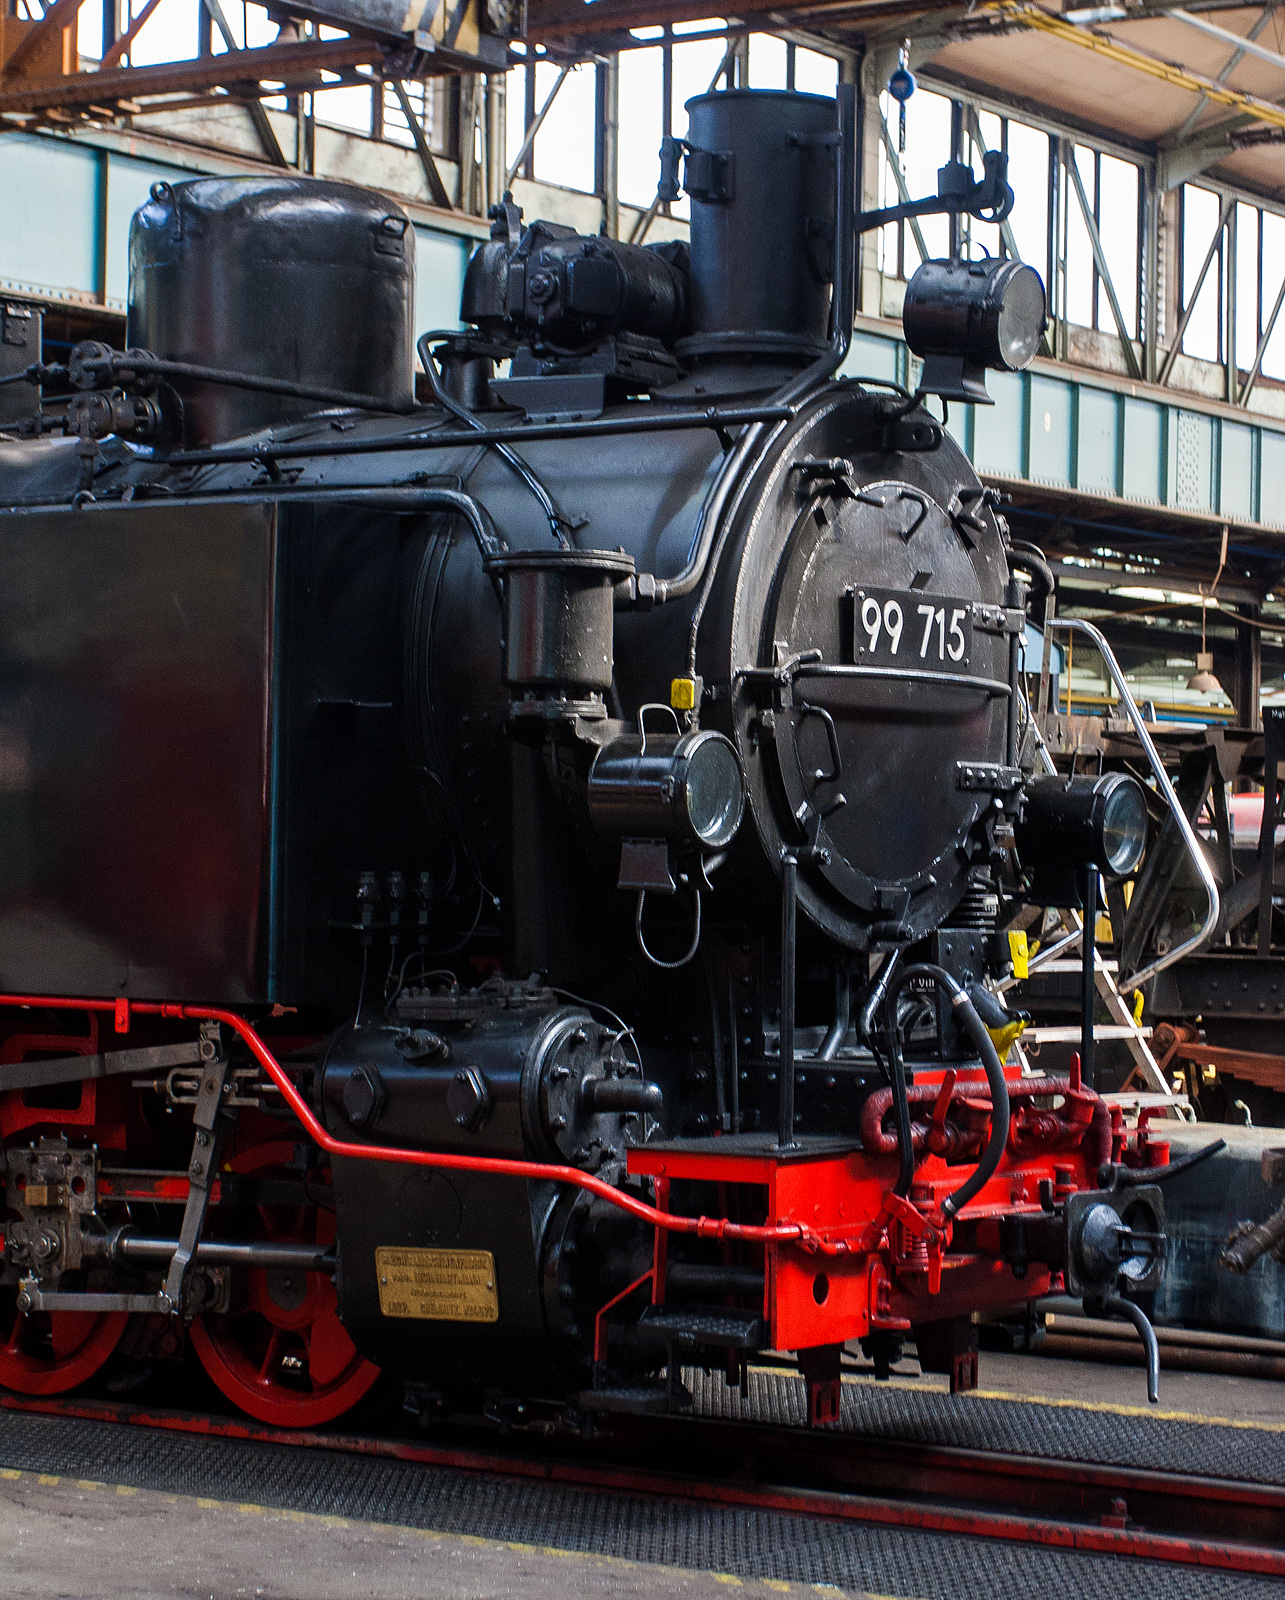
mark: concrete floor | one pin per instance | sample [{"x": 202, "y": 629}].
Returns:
[
  {"x": 62, "y": 1537},
  {"x": 1199, "y": 1396}
]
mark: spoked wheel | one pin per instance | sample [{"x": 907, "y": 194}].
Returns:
[
  {"x": 281, "y": 1353},
  {"x": 50, "y": 1352}
]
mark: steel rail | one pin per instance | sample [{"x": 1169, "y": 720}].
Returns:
[{"x": 823, "y": 1473}]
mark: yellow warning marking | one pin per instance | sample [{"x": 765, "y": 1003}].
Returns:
[
  {"x": 779, "y": 1584},
  {"x": 49, "y": 1480},
  {"x": 123, "y": 1488},
  {"x": 255, "y": 1511},
  {"x": 1062, "y": 1402},
  {"x": 87, "y": 1483},
  {"x": 210, "y": 1505},
  {"x": 726, "y": 1577},
  {"x": 10, "y": 1473},
  {"x": 1119, "y": 1410}
]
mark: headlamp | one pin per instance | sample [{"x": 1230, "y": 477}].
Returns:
[
  {"x": 687, "y": 787},
  {"x": 965, "y": 316},
  {"x": 1072, "y": 825}
]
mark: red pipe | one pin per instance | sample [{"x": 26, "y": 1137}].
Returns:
[{"x": 499, "y": 1166}]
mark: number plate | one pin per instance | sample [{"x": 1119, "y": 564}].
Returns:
[
  {"x": 903, "y": 628},
  {"x": 437, "y": 1285}
]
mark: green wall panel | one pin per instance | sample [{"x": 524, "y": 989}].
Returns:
[
  {"x": 1193, "y": 440},
  {"x": 869, "y": 356},
  {"x": 1098, "y": 442},
  {"x": 50, "y": 203},
  {"x": 998, "y": 429},
  {"x": 1271, "y": 503},
  {"x": 128, "y": 183},
  {"x": 440, "y": 259},
  {"x": 1052, "y": 430},
  {"x": 1143, "y": 455},
  {"x": 1236, "y": 471}
]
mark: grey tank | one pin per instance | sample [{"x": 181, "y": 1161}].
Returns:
[{"x": 285, "y": 277}]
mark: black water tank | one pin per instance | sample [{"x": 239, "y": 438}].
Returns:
[
  {"x": 761, "y": 175},
  {"x": 285, "y": 277}
]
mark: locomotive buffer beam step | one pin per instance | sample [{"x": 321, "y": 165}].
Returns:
[{"x": 662, "y": 1327}]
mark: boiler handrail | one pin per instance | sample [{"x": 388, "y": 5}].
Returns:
[{"x": 1166, "y": 789}]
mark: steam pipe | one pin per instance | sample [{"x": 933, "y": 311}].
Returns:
[
  {"x": 641, "y": 421},
  {"x": 1112, "y": 1306},
  {"x": 842, "y": 1014},
  {"x": 497, "y": 1166},
  {"x": 1205, "y": 932}
]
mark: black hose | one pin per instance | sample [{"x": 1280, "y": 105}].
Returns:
[
  {"x": 557, "y": 522},
  {"x": 966, "y": 1014},
  {"x": 1111, "y": 1176},
  {"x": 1028, "y": 558}
]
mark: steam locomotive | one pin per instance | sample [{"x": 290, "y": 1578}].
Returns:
[{"x": 505, "y": 890}]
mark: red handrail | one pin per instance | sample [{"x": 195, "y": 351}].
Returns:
[{"x": 498, "y": 1166}]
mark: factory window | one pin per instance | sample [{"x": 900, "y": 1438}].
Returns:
[
  {"x": 927, "y": 147},
  {"x": 1230, "y": 266},
  {"x": 666, "y": 67},
  {"x": 1111, "y": 190},
  {"x": 434, "y": 106},
  {"x": 565, "y": 150},
  {"x": 1198, "y": 216},
  {"x": 1270, "y": 273}
]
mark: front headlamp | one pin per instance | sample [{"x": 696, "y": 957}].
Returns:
[{"x": 1068, "y": 826}]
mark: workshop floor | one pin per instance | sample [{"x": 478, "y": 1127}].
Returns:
[{"x": 131, "y": 1528}]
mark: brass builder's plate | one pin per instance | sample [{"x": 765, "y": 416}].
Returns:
[{"x": 437, "y": 1285}]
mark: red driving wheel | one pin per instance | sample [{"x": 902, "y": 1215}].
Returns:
[
  {"x": 281, "y": 1353},
  {"x": 49, "y": 1352}
]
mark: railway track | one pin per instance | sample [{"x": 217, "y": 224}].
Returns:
[{"x": 1186, "y": 1520}]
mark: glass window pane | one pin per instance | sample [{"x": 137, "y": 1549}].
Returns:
[
  {"x": 1201, "y": 337},
  {"x": 1079, "y": 250},
  {"x": 767, "y": 61},
  {"x": 514, "y": 113},
  {"x": 815, "y": 73},
  {"x": 1118, "y": 230},
  {"x": 564, "y": 146},
  {"x": 1273, "y": 273},
  {"x": 927, "y": 148},
  {"x": 89, "y": 30},
  {"x": 1028, "y": 175},
  {"x": 1247, "y": 286},
  {"x": 347, "y": 107},
  {"x": 641, "y": 83},
  {"x": 169, "y": 34},
  {"x": 431, "y": 104}
]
